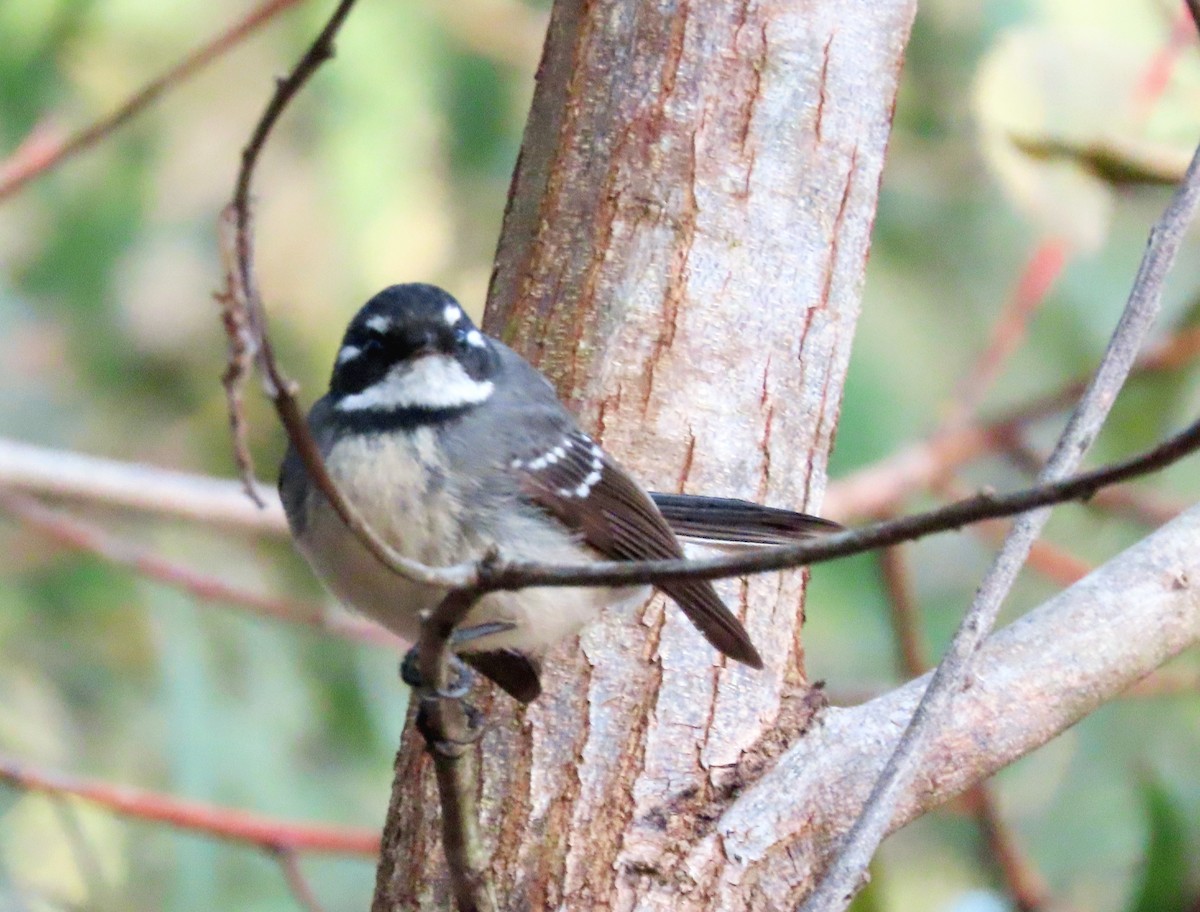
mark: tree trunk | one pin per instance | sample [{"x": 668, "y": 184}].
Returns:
[{"x": 683, "y": 255}]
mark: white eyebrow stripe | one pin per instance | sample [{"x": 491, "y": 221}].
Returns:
[
  {"x": 348, "y": 353},
  {"x": 452, "y": 314},
  {"x": 379, "y": 323}
]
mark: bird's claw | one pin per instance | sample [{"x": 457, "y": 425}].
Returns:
[
  {"x": 460, "y": 684},
  {"x": 448, "y": 737}
]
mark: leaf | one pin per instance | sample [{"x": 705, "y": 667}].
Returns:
[
  {"x": 1115, "y": 160},
  {"x": 1164, "y": 878},
  {"x": 1060, "y": 128}
]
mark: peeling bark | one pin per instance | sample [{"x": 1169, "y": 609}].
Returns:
[{"x": 683, "y": 255}]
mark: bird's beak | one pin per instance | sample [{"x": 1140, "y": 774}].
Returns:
[{"x": 421, "y": 344}]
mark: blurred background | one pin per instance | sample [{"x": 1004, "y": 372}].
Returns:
[{"x": 1033, "y": 144}]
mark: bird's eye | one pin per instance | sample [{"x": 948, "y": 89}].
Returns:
[
  {"x": 372, "y": 347},
  {"x": 462, "y": 337}
]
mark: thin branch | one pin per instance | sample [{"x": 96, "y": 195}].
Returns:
[
  {"x": 109, "y": 482},
  {"x": 446, "y": 724},
  {"x": 879, "y": 489},
  {"x": 1043, "y": 268},
  {"x": 1034, "y": 679},
  {"x": 242, "y": 350},
  {"x": 844, "y": 875},
  {"x": 15, "y": 176},
  {"x": 1123, "y": 500},
  {"x": 220, "y": 823},
  {"x": 903, "y": 611},
  {"x": 289, "y": 864},
  {"x": 515, "y": 575},
  {"x": 1023, "y": 883},
  {"x": 74, "y": 533},
  {"x": 449, "y": 734},
  {"x": 245, "y": 318}
]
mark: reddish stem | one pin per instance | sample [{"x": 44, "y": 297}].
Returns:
[
  {"x": 35, "y": 156},
  {"x": 221, "y": 823}
]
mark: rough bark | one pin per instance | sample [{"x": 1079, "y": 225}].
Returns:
[{"x": 683, "y": 255}]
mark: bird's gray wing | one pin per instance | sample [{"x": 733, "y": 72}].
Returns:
[{"x": 577, "y": 483}]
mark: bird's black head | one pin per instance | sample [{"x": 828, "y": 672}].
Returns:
[{"x": 411, "y": 348}]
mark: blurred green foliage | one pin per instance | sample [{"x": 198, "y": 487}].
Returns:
[{"x": 394, "y": 165}]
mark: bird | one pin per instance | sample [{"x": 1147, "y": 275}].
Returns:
[{"x": 451, "y": 445}]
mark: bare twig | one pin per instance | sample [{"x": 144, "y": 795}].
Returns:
[
  {"x": 242, "y": 349},
  {"x": 444, "y": 722},
  {"x": 220, "y": 823},
  {"x": 1123, "y": 500},
  {"x": 289, "y": 863},
  {"x": 842, "y": 879},
  {"x": 1023, "y": 883},
  {"x": 1034, "y": 679},
  {"x": 197, "y": 498},
  {"x": 14, "y": 178},
  {"x": 216, "y": 500},
  {"x": 879, "y": 489},
  {"x": 244, "y": 314},
  {"x": 75, "y": 533},
  {"x": 446, "y": 726},
  {"x": 1045, "y": 265},
  {"x": 515, "y": 575}
]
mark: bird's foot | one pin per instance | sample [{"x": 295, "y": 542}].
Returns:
[
  {"x": 461, "y": 678},
  {"x": 448, "y": 730}
]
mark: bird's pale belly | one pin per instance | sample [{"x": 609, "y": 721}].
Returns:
[{"x": 429, "y": 527}]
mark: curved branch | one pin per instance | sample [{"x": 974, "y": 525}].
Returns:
[
  {"x": 842, "y": 880},
  {"x": 448, "y": 729},
  {"x": 245, "y": 321},
  {"x": 1030, "y": 682},
  {"x": 14, "y": 176}
]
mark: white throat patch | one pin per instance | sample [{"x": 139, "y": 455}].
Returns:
[{"x": 430, "y": 382}]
